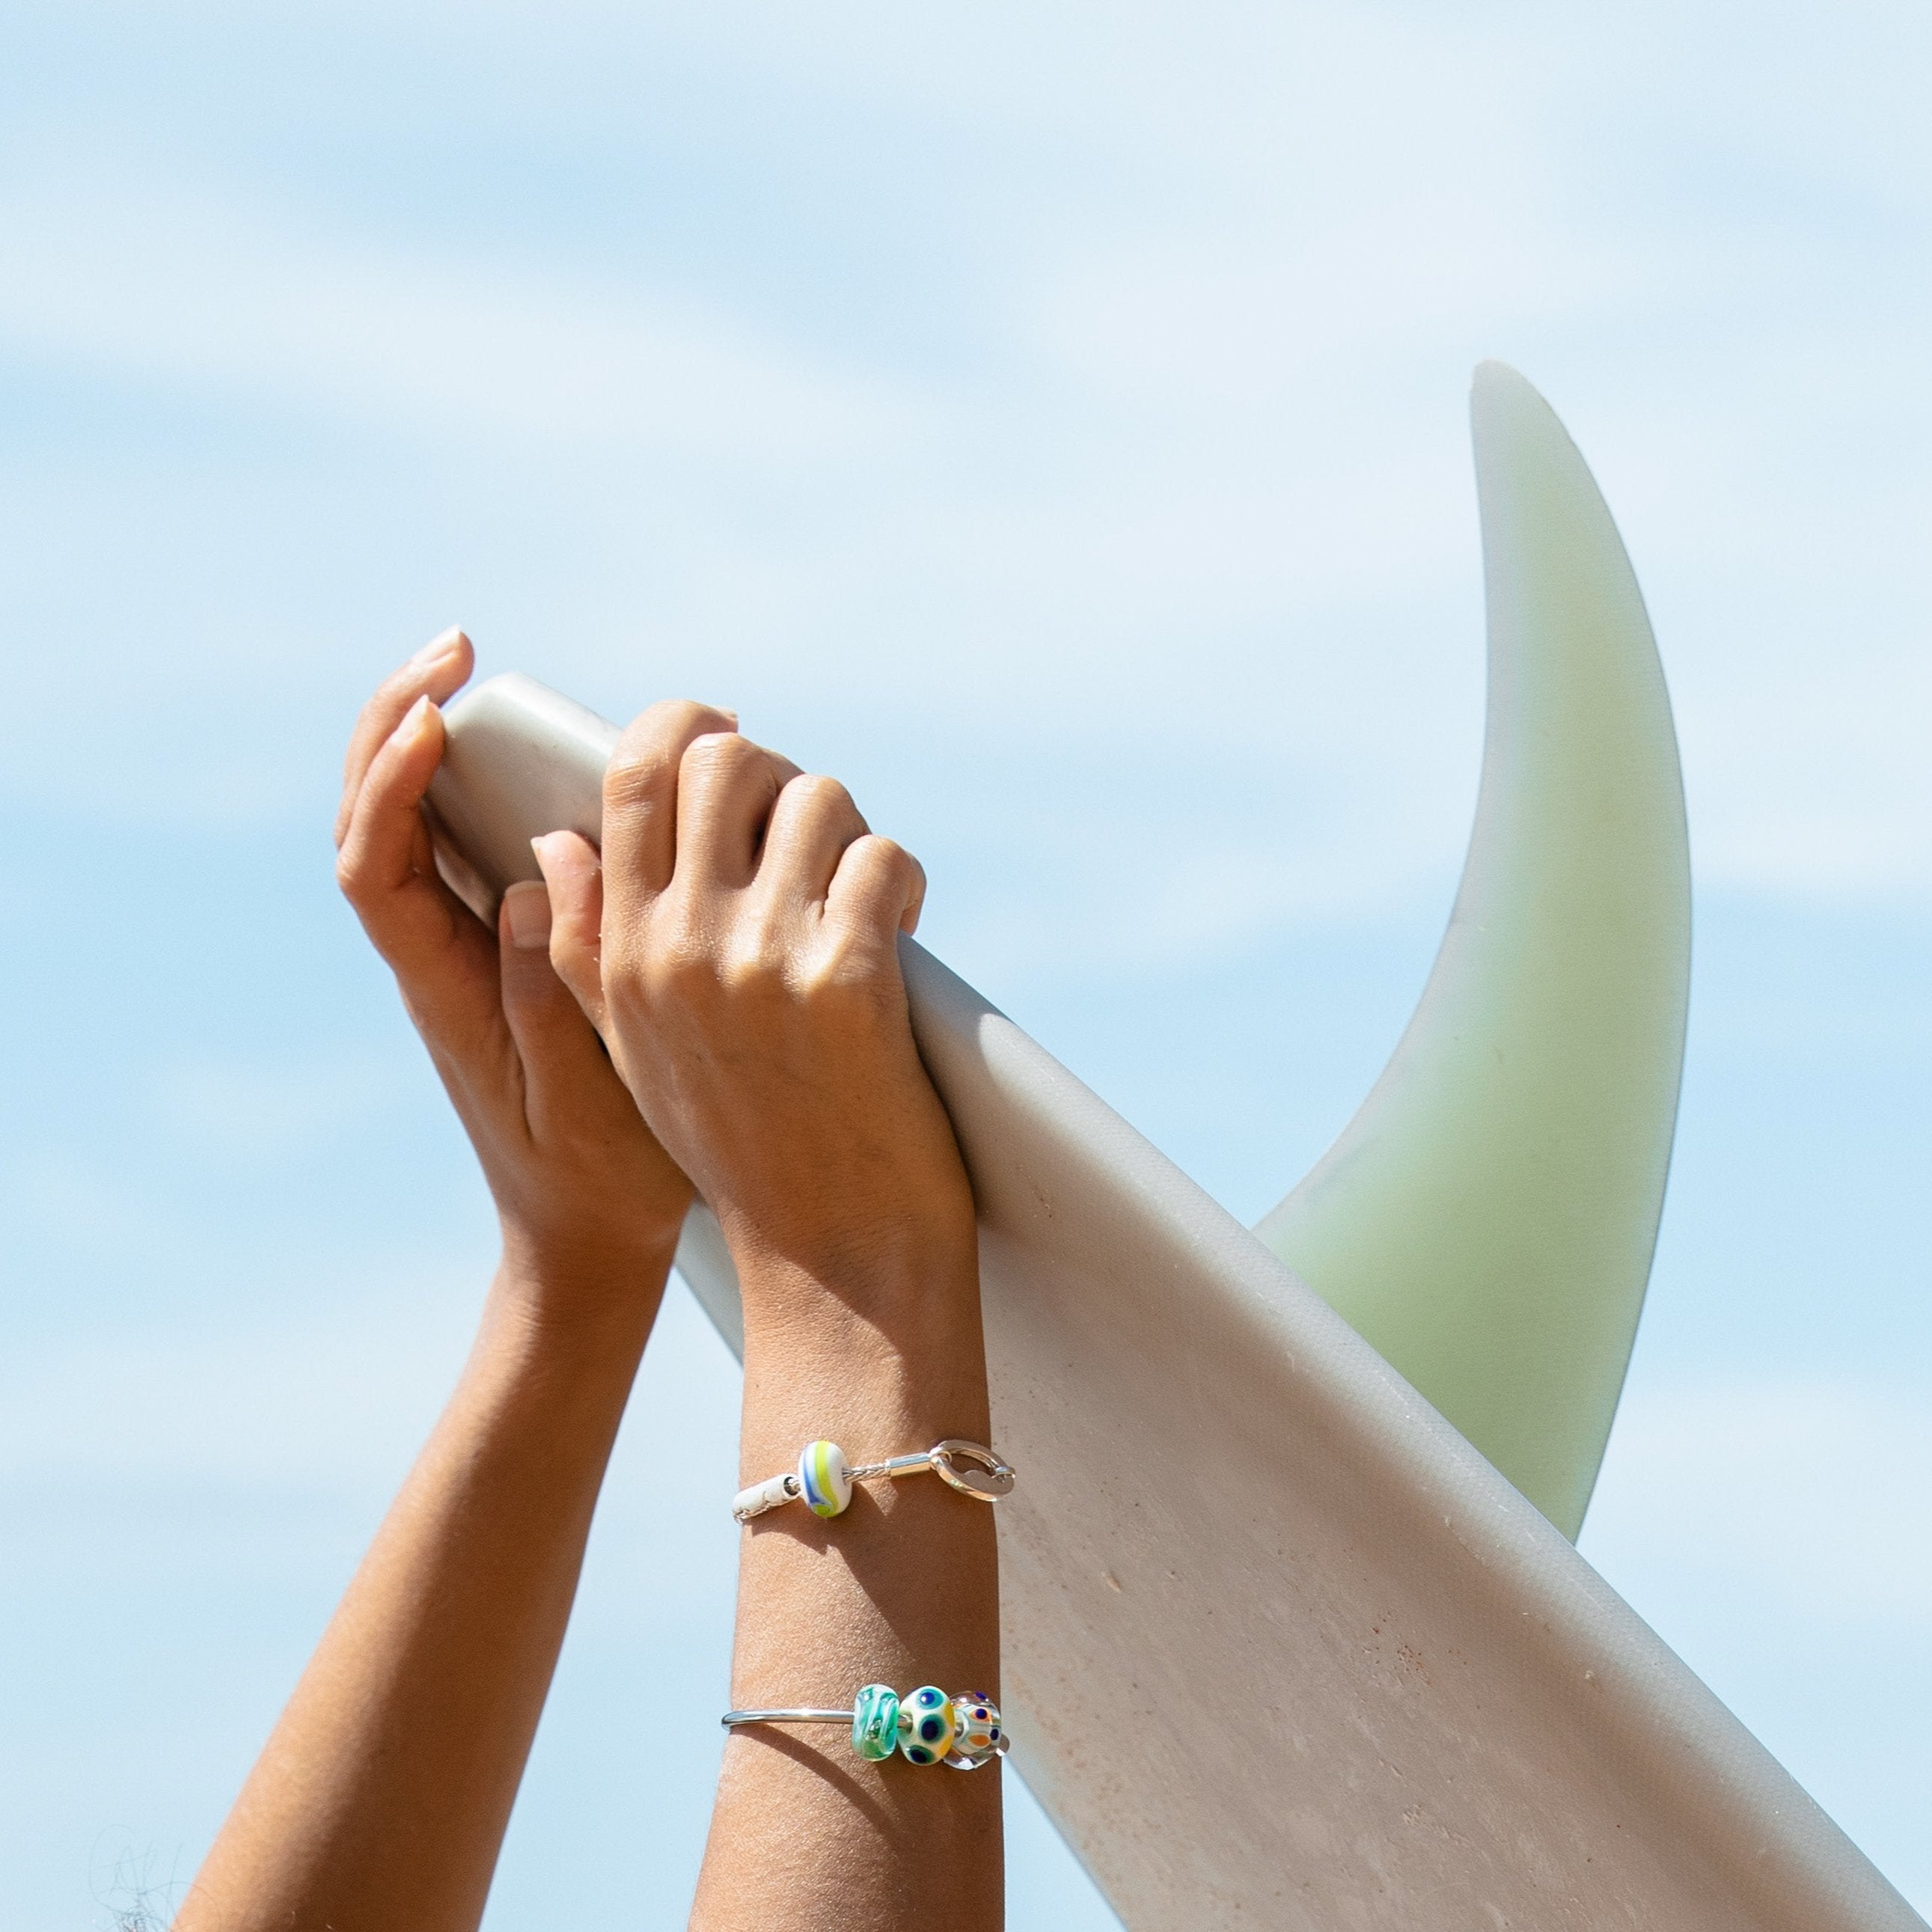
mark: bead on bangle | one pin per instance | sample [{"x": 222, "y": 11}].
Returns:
[
  {"x": 926, "y": 1726},
  {"x": 823, "y": 1479}
]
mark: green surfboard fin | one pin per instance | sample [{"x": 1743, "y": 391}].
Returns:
[{"x": 1487, "y": 1221}]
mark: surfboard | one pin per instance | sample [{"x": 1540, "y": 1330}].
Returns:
[{"x": 1284, "y": 1645}]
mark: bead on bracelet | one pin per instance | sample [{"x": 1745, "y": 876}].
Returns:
[
  {"x": 823, "y": 1478},
  {"x": 926, "y": 1726}
]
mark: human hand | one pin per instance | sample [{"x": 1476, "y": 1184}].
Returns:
[
  {"x": 589, "y": 1202},
  {"x": 736, "y": 948}
]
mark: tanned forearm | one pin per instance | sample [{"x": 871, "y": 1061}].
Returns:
[
  {"x": 737, "y": 945},
  {"x": 380, "y": 1800},
  {"x": 901, "y": 1589},
  {"x": 381, "y": 1797}
]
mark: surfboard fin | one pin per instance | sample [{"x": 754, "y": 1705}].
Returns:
[{"x": 1487, "y": 1221}]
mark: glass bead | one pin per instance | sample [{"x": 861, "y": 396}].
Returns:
[
  {"x": 925, "y": 1725},
  {"x": 823, "y": 1481},
  {"x": 978, "y": 1733},
  {"x": 875, "y": 1721}
]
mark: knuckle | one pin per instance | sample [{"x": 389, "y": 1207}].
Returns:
[
  {"x": 719, "y": 754},
  {"x": 674, "y": 718},
  {"x": 386, "y": 702},
  {"x": 845, "y": 975},
  {"x": 885, "y": 860},
  {"x": 743, "y": 972},
  {"x": 754, "y": 960},
  {"x": 350, "y": 876},
  {"x": 659, "y": 731},
  {"x": 624, "y": 945},
  {"x": 824, "y": 797},
  {"x": 678, "y": 955},
  {"x": 631, "y": 784},
  {"x": 685, "y": 718}
]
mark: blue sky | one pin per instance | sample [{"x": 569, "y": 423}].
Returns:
[{"x": 1051, "y": 419}]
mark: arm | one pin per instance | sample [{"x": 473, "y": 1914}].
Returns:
[
  {"x": 381, "y": 1798},
  {"x": 749, "y": 985}
]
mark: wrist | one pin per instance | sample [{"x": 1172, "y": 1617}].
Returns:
[
  {"x": 877, "y": 1383},
  {"x": 900, "y": 1269},
  {"x": 575, "y": 1295},
  {"x": 878, "y": 1326}
]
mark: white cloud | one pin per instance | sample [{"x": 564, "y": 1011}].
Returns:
[
  {"x": 1050, "y": 414},
  {"x": 1155, "y": 436},
  {"x": 126, "y": 273}
]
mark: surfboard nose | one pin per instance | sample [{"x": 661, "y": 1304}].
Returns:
[{"x": 1487, "y": 1220}]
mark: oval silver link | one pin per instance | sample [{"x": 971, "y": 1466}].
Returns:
[{"x": 988, "y": 1483}]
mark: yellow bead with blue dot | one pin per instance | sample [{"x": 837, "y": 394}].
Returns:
[{"x": 925, "y": 1725}]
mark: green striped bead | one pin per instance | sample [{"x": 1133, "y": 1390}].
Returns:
[{"x": 875, "y": 1721}]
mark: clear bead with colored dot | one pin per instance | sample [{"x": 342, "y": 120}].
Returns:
[{"x": 978, "y": 1734}]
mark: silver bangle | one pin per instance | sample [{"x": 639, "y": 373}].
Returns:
[
  {"x": 926, "y": 1726},
  {"x": 823, "y": 1479},
  {"x": 785, "y": 1717}
]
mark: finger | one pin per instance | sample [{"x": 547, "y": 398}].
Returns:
[
  {"x": 572, "y": 917},
  {"x": 380, "y": 865},
  {"x": 438, "y": 671},
  {"x": 560, "y": 1052},
  {"x": 639, "y": 836},
  {"x": 878, "y": 888},
  {"x": 916, "y": 904},
  {"x": 726, "y": 788},
  {"x": 812, "y": 824}
]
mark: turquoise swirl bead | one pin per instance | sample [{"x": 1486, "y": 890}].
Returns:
[
  {"x": 925, "y": 1725},
  {"x": 875, "y": 1721},
  {"x": 977, "y": 1731}
]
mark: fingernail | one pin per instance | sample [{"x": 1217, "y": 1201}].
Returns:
[
  {"x": 527, "y": 906},
  {"x": 440, "y": 646},
  {"x": 415, "y": 718}
]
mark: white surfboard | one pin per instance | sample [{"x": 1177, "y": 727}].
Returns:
[{"x": 1283, "y": 1647}]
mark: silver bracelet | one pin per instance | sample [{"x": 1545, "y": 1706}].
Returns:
[
  {"x": 823, "y": 1479},
  {"x": 786, "y": 1718},
  {"x": 926, "y": 1726}
]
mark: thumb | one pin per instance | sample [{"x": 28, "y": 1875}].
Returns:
[{"x": 574, "y": 875}]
